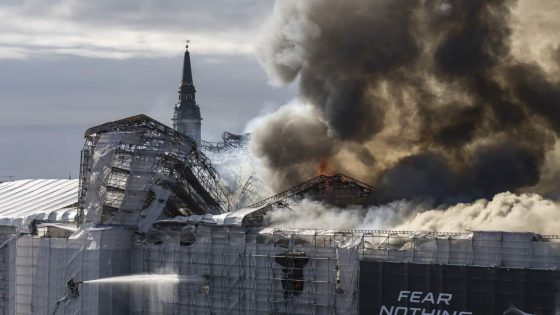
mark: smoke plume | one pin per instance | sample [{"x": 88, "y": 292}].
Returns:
[
  {"x": 430, "y": 98},
  {"x": 505, "y": 211}
]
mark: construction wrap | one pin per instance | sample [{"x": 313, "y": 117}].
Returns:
[
  {"x": 7, "y": 269},
  {"x": 23, "y": 201},
  {"x": 213, "y": 269},
  {"x": 245, "y": 271},
  {"x": 107, "y": 187},
  {"x": 43, "y": 267}
]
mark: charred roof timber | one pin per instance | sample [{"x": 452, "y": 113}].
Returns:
[
  {"x": 230, "y": 141},
  {"x": 338, "y": 190}
]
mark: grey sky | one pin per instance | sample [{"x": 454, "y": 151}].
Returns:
[{"x": 68, "y": 65}]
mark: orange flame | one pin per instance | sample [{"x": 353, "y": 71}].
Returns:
[{"x": 325, "y": 167}]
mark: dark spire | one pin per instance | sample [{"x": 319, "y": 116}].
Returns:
[
  {"x": 187, "y": 107},
  {"x": 187, "y": 72},
  {"x": 186, "y": 117}
]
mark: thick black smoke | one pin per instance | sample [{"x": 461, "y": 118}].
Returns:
[{"x": 422, "y": 98}]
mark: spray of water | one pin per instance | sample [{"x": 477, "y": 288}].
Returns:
[
  {"x": 153, "y": 292},
  {"x": 151, "y": 279}
]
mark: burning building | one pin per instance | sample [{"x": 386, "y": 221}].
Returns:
[
  {"x": 148, "y": 202},
  {"x": 434, "y": 104}
]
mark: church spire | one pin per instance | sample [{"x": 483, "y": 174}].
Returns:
[
  {"x": 187, "y": 72},
  {"x": 186, "y": 117}
]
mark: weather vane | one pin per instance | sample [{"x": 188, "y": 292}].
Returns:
[{"x": 187, "y": 46}]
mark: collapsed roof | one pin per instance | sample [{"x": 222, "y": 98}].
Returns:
[
  {"x": 337, "y": 190},
  {"x": 230, "y": 141},
  {"x": 136, "y": 170}
]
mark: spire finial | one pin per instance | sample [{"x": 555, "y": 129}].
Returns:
[{"x": 187, "y": 45}]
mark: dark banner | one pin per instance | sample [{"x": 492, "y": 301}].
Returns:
[{"x": 421, "y": 289}]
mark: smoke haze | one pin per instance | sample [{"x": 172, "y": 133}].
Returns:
[
  {"x": 505, "y": 212},
  {"x": 433, "y": 98}
]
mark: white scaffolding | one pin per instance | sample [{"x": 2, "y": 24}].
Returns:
[
  {"x": 42, "y": 267},
  {"x": 237, "y": 270},
  {"x": 243, "y": 273},
  {"x": 8, "y": 237}
]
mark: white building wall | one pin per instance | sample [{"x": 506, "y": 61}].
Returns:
[
  {"x": 233, "y": 270},
  {"x": 7, "y": 273},
  {"x": 241, "y": 276},
  {"x": 44, "y": 265}
]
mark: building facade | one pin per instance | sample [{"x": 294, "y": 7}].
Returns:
[{"x": 149, "y": 204}]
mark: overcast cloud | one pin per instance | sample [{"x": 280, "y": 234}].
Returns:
[{"x": 68, "y": 65}]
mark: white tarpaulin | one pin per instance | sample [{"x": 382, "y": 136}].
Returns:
[{"x": 43, "y": 199}]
